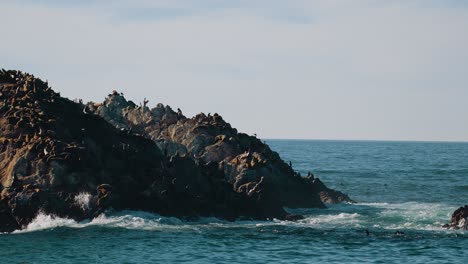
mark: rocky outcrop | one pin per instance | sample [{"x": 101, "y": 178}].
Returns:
[
  {"x": 459, "y": 219},
  {"x": 74, "y": 160},
  {"x": 243, "y": 160}
]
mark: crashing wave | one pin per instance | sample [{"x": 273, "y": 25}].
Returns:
[{"x": 384, "y": 216}]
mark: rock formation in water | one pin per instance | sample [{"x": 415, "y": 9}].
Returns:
[
  {"x": 459, "y": 219},
  {"x": 208, "y": 139},
  {"x": 73, "y": 160}
]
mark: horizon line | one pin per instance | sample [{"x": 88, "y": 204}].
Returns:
[{"x": 369, "y": 140}]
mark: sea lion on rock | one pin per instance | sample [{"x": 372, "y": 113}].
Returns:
[{"x": 134, "y": 168}]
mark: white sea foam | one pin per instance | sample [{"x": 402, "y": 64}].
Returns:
[
  {"x": 391, "y": 216},
  {"x": 43, "y": 221},
  {"x": 374, "y": 204},
  {"x": 83, "y": 200},
  {"x": 137, "y": 220},
  {"x": 405, "y": 216},
  {"x": 410, "y": 215},
  {"x": 125, "y": 219},
  {"x": 334, "y": 219}
]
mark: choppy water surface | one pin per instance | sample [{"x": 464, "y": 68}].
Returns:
[{"x": 411, "y": 187}]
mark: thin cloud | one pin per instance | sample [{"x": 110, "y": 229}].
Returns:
[{"x": 295, "y": 69}]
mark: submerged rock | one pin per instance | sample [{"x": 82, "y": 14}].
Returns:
[{"x": 73, "y": 160}]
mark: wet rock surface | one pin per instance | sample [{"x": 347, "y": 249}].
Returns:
[
  {"x": 76, "y": 160},
  {"x": 459, "y": 219}
]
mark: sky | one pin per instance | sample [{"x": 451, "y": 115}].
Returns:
[{"x": 295, "y": 69}]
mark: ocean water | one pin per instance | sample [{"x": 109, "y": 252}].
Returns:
[{"x": 412, "y": 187}]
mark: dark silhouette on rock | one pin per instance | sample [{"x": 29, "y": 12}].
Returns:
[
  {"x": 72, "y": 160},
  {"x": 459, "y": 219},
  {"x": 243, "y": 159}
]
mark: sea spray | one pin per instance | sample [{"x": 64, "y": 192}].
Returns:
[
  {"x": 83, "y": 200},
  {"x": 44, "y": 221},
  {"x": 385, "y": 216}
]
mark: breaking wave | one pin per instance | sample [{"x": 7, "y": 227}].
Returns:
[{"x": 385, "y": 216}]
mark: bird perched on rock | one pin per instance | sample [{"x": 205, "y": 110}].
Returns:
[{"x": 85, "y": 110}]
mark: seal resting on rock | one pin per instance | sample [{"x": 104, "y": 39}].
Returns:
[{"x": 52, "y": 151}]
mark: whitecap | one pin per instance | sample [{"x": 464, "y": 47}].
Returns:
[
  {"x": 415, "y": 216},
  {"x": 125, "y": 219},
  {"x": 409, "y": 215},
  {"x": 340, "y": 219},
  {"x": 44, "y": 221}
]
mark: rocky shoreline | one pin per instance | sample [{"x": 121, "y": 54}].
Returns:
[{"x": 77, "y": 160}]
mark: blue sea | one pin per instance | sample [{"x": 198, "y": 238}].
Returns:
[{"x": 412, "y": 187}]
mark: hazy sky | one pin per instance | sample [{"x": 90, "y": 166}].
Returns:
[{"x": 350, "y": 69}]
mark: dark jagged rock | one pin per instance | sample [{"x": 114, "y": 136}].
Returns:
[
  {"x": 72, "y": 160},
  {"x": 459, "y": 219},
  {"x": 243, "y": 159}
]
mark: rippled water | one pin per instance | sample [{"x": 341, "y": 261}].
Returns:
[{"x": 410, "y": 187}]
